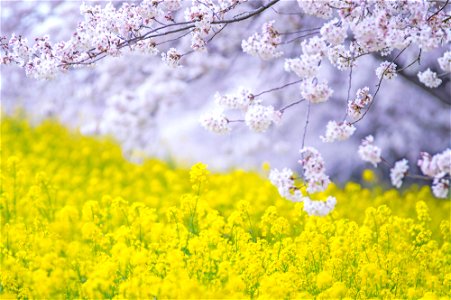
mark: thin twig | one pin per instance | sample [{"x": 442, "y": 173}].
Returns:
[
  {"x": 235, "y": 121},
  {"x": 299, "y": 31},
  {"x": 291, "y": 105},
  {"x": 278, "y": 88},
  {"x": 306, "y": 125},
  {"x": 443, "y": 74},
  {"x": 174, "y": 39},
  {"x": 438, "y": 11},
  {"x": 349, "y": 93},
  {"x": 413, "y": 62},
  {"x": 217, "y": 32},
  {"x": 282, "y": 110},
  {"x": 286, "y": 13},
  {"x": 299, "y": 37}
]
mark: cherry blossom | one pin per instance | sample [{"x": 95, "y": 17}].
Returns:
[
  {"x": 215, "y": 121},
  {"x": 172, "y": 58},
  {"x": 305, "y": 67},
  {"x": 315, "y": 8},
  {"x": 440, "y": 187},
  {"x": 429, "y": 78},
  {"x": 386, "y": 70},
  {"x": 362, "y": 100},
  {"x": 334, "y": 33},
  {"x": 369, "y": 152},
  {"x": 314, "y": 46},
  {"x": 445, "y": 61},
  {"x": 284, "y": 182},
  {"x": 319, "y": 208},
  {"x": 314, "y": 170},
  {"x": 398, "y": 172},
  {"x": 337, "y": 132},
  {"x": 315, "y": 92},
  {"x": 259, "y": 117},
  {"x": 264, "y": 45},
  {"x": 433, "y": 166},
  {"x": 240, "y": 100},
  {"x": 340, "y": 57}
]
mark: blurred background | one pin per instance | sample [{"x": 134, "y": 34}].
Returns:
[{"x": 153, "y": 110}]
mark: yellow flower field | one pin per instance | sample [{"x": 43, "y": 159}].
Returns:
[{"x": 80, "y": 221}]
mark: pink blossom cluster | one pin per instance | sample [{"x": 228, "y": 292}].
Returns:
[
  {"x": 375, "y": 27},
  {"x": 337, "y": 131},
  {"x": 319, "y": 208},
  {"x": 429, "y": 78},
  {"x": 438, "y": 167},
  {"x": 264, "y": 45},
  {"x": 362, "y": 100},
  {"x": 398, "y": 172},
  {"x": 215, "y": 121},
  {"x": 284, "y": 181},
  {"x": 370, "y": 152},
  {"x": 317, "y": 181},
  {"x": 386, "y": 70},
  {"x": 445, "y": 61},
  {"x": 340, "y": 57},
  {"x": 315, "y": 92},
  {"x": 306, "y": 66},
  {"x": 257, "y": 117},
  {"x": 314, "y": 170}
]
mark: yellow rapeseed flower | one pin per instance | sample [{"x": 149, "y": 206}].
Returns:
[{"x": 80, "y": 221}]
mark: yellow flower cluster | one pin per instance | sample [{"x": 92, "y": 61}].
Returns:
[{"x": 80, "y": 221}]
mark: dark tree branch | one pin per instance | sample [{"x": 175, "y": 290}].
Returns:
[{"x": 438, "y": 11}]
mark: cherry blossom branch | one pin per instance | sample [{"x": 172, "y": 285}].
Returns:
[
  {"x": 281, "y": 110},
  {"x": 379, "y": 84},
  {"x": 277, "y": 88},
  {"x": 372, "y": 33},
  {"x": 153, "y": 34},
  {"x": 444, "y": 98},
  {"x": 407, "y": 174}
]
